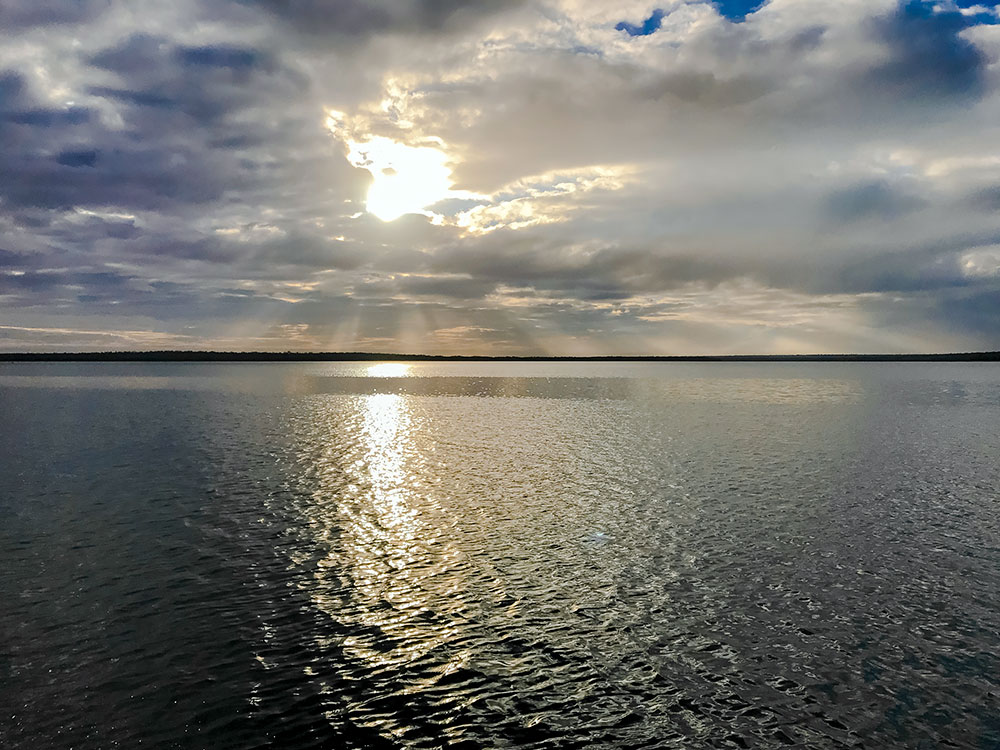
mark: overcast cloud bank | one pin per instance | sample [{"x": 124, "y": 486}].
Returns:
[{"x": 672, "y": 178}]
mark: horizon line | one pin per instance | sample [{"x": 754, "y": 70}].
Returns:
[{"x": 208, "y": 355}]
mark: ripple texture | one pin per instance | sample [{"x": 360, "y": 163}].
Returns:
[{"x": 621, "y": 558}]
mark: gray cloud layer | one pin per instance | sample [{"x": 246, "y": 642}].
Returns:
[{"x": 811, "y": 178}]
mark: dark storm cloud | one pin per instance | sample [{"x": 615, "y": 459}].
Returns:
[
  {"x": 16, "y": 261},
  {"x": 363, "y": 18},
  {"x": 542, "y": 266},
  {"x": 135, "y": 98},
  {"x": 286, "y": 257},
  {"x": 977, "y": 310},
  {"x": 200, "y": 84},
  {"x": 66, "y": 230},
  {"x": 986, "y": 199},
  {"x": 49, "y": 118},
  {"x": 77, "y": 158},
  {"x": 137, "y": 178},
  {"x": 872, "y": 200},
  {"x": 192, "y": 126},
  {"x": 707, "y": 89},
  {"x": 142, "y": 54},
  {"x": 93, "y": 291},
  {"x": 604, "y": 273},
  {"x": 28, "y": 130},
  {"x": 133, "y": 56},
  {"x": 176, "y": 102},
  {"x": 301, "y": 250},
  {"x": 70, "y": 281},
  {"x": 903, "y": 272},
  {"x": 20, "y": 14},
  {"x": 18, "y": 108},
  {"x": 452, "y": 287},
  {"x": 235, "y": 58},
  {"x": 928, "y": 58},
  {"x": 926, "y": 266}
]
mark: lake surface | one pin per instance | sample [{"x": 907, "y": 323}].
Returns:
[{"x": 500, "y": 555}]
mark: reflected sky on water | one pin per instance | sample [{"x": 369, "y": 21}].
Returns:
[{"x": 499, "y": 555}]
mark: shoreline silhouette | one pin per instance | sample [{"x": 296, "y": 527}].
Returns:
[{"x": 169, "y": 355}]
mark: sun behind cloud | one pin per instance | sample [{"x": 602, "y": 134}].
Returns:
[{"x": 406, "y": 179}]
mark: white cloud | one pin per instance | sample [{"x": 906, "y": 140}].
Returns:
[{"x": 709, "y": 187}]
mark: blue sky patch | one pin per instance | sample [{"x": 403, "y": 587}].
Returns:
[
  {"x": 737, "y": 10},
  {"x": 734, "y": 10},
  {"x": 648, "y": 26}
]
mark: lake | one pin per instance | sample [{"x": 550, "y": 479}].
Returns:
[{"x": 499, "y": 555}]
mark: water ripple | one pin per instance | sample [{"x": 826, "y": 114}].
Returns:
[{"x": 502, "y": 561}]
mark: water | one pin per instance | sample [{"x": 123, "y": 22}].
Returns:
[{"x": 499, "y": 555}]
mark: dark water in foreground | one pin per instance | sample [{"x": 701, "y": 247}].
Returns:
[{"x": 500, "y": 555}]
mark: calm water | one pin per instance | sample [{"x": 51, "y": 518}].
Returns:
[{"x": 499, "y": 555}]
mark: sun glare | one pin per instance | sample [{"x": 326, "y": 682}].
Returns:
[
  {"x": 389, "y": 370},
  {"x": 407, "y": 179}
]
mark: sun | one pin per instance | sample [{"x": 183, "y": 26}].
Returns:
[{"x": 405, "y": 179}]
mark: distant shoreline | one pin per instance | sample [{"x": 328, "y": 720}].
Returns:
[{"x": 213, "y": 356}]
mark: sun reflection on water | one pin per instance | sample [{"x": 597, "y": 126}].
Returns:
[
  {"x": 388, "y": 370},
  {"x": 438, "y": 551},
  {"x": 387, "y": 438},
  {"x": 390, "y": 577}
]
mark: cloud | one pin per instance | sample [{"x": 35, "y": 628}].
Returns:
[
  {"x": 18, "y": 109},
  {"x": 354, "y": 19},
  {"x": 986, "y": 199},
  {"x": 673, "y": 177},
  {"x": 871, "y": 200},
  {"x": 222, "y": 56},
  {"x": 77, "y": 158},
  {"x": 21, "y": 14},
  {"x": 928, "y": 58}
]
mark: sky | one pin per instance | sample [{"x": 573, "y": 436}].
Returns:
[{"x": 540, "y": 177}]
